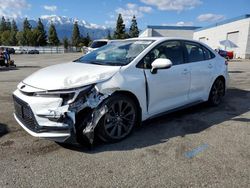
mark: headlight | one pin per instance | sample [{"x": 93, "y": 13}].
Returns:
[{"x": 68, "y": 96}]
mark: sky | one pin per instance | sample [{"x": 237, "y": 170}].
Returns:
[{"x": 147, "y": 12}]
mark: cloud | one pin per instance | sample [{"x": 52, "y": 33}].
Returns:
[
  {"x": 51, "y": 8},
  {"x": 177, "y": 5},
  {"x": 132, "y": 9},
  {"x": 181, "y": 23},
  {"x": 13, "y": 8},
  {"x": 210, "y": 17}
]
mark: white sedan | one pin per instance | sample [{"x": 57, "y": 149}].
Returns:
[{"x": 112, "y": 89}]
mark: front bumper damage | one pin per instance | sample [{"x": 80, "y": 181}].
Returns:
[{"x": 51, "y": 118}]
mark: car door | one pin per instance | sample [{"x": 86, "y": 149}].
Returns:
[
  {"x": 167, "y": 88},
  {"x": 201, "y": 67}
]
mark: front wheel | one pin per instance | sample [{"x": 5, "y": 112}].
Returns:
[
  {"x": 217, "y": 92},
  {"x": 120, "y": 119}
]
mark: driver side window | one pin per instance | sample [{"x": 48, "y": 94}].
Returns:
[{"x": 171, "y": 50}]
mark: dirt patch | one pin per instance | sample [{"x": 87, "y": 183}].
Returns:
[
  {"x": 8, "y": 143},
  {"x": 43, "y": 150},
  {"x": 3, "y": 129}
]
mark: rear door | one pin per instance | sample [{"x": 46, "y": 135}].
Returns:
[{"x": 201, "y": 66}]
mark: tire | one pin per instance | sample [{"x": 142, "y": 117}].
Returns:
[
  {"x": 217, "y": 92},
  {"x": 119, "y": 121}
]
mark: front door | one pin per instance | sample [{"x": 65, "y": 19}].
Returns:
[{"x": 167, "y": 88}]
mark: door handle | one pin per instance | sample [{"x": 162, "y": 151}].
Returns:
[
  {"x": 210, "y": 66},
  {"x": 185, "y": 71}
]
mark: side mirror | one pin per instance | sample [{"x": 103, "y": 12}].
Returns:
[{"x": 160, "y": 63}]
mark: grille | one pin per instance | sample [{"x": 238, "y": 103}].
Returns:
[{"x": 25, "y": 114}]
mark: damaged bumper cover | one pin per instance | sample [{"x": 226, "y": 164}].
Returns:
[{"x": 52, "y": 115}]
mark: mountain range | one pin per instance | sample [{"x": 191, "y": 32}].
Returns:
[{"x": 64, "y": 26}]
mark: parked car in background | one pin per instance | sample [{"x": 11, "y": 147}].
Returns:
[
  {"x": 99, "y": 43},
  {"x": 109, "y": 91},
  {"x": 33, "y": 52},
  {"x": 11, "y": 50},
  {"x": 96, "y": 44},
  {"x": 226, "y": 54},
  {"x": 22, "y": 51}
]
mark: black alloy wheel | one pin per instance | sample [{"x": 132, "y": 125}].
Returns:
[
  {"x": 217, "y": 92},
  {"x": 120, "y": 119}
]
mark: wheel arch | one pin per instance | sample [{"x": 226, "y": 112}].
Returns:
[
  {"x": 224, "y": 81},
  {"x": 135, "y": 100}
]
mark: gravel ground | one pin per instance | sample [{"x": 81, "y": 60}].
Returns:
[{"x": 196, "y": 147}]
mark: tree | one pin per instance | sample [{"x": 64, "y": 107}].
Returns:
[
  {"x": 8, "y": 25},
  {"x": 109, "y": 35},
  {"x": 53, "y": 38},
  {"x": 5, "y": 38},
  {"x": 26, "y": 31},
  {"x": 5, "y": 28},
  {"x": 75, "y": 35},
  {"x": 34, "y": 36},
  {"x": 13, "y": 33},
  {"x": 120, "y": 28},
  {"x": 3, "y": 25},
  {"x": 20, "y": 38},
  {"x": 65, "y": 42},
  {"x": 26, "y": 24},
  {"x": 133, "y": 30},
  {"x": 14, "y": 26},
  {"x": 41, "y": 36}
]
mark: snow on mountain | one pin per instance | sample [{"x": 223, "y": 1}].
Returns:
[{"x": 64, "y": 26}]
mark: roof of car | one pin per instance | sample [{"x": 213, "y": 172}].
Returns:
[
  {"x": 160, "y": 38},
  {"x": 101, "y": 40}
]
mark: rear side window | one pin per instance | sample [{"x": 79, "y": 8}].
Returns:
[
  {"x": 196, "y": 52},
  {"x": 208, "y": 54}
]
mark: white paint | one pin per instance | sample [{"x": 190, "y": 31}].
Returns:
[{"x": 168, "y": 88}]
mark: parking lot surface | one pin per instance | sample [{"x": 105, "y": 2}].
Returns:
[{"x": 197, "y": 147}]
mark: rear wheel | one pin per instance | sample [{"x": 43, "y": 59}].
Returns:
[
  {"x": 217, "y": 92},
  {"x": 120, "y": 119}
]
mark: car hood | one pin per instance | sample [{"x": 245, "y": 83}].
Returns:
[{"x": 70, "y": 75}]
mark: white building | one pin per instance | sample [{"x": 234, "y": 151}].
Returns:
[
  {"x": 236, "y": 30},
  {"x": 169, "y": 31}
]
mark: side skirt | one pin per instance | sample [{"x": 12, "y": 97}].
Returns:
[{"x": 176, "y": 109}]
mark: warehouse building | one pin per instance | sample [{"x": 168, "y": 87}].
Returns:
[
  {"x": 169, "y": 31},
  {"x": 237, "y": 30}
]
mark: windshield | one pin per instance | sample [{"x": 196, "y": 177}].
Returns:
[
  {"x": 98, "y": 44},
  {"x": 116, "y": 54}
]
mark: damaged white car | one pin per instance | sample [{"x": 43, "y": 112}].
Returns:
[{"x": 110, "y": 90}]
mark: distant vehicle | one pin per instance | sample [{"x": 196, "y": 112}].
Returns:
[
  {"x": 11, "y": 50},
  {"x": 99, "y": 43},
  {"x": 226, "y": 54},
  {"x": 23, "y": 51},
  {"x": 33, "y": 52},
  {"x": 111, "y": 90}
]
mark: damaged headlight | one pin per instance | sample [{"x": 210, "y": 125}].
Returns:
[{"x": 68, "y": 96}]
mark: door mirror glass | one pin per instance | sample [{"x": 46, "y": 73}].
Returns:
[{"x": 160, "y": 63}]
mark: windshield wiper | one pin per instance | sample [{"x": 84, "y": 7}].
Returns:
[{"x": 96, "y": 62}]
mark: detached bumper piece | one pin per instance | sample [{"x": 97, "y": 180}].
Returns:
[{"x": 25, "y": 117}]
